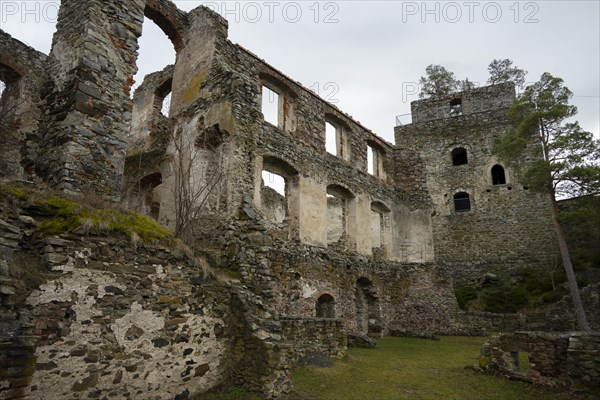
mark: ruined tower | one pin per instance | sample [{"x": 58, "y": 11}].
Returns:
[{"x": 485, "y": 217}]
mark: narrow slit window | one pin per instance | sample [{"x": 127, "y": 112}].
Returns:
[
  {"x": 371, "y": 160},
  {"x": 331, "y": 134}
]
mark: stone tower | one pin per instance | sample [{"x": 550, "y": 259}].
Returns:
[{"x": 485, "y": 217}]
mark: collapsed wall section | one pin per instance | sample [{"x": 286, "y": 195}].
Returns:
[{"x": 22, "y": 72}]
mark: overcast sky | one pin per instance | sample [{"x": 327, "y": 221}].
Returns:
[{"x": 366, "y": 56}]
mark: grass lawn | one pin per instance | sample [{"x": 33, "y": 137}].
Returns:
[{"x": 410, "y": 369}]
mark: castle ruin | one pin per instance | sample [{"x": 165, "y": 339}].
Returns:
[{"x": 344, "y": 248}]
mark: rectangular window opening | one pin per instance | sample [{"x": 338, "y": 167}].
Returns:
[
  {"x": 270, "y": 105},
  {"x": 336, "y": 219},
  {"x": 331, "y": 144},
  {"x": 376, "y": 229},
  {"x": 371, "y": 159},
  {"x": 273, "y": 197}
]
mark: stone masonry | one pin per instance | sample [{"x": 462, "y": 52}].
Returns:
[{"x": 344, "y": 248}]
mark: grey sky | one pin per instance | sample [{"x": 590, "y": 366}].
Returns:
[{"x": 368, "y": 55}]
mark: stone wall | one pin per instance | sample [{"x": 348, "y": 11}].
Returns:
[
  {"x": 507, "y": 226},
  {"x": 112, "y": 319},
  {"x": 323, "y": 336},
  {"x": 555, "y": 359},
  {"x": 22, "y": 70},
  {"x": 109, "y": 317}
]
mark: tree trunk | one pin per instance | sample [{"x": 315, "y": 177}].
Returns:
[{"x": 566, "y": 259}]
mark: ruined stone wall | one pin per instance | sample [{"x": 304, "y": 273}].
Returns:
[
  {"x": 555, "y": 359},
  {"x": 507, "y": 225},
  {"x": 114, "y": 320},
  {"x": 22, "y": 70},
  {"x": 88, "y": 110},
  {"x": 324, "y": 336}
]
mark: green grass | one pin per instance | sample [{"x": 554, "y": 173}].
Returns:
[
  {"x": 413, "y": 369},
  {"x": 226, "y": 393},
  {"x": 68, "y": 216}
]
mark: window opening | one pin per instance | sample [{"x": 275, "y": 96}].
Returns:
[
  {"x": 459, "y": 156},
  {"x": 498, "y": 175},
  {"x": 331, "y": 144},
  {"x": 456, "y": 107},
  {"x": 462, "y": 202},
  {"x": 270, "y": 105}
]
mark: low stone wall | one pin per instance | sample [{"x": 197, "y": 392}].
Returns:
[
  {"x": 324, "y": 336},
  {"x": 583, "y": 361},
  {"x": 555, "y": 359},
  {"x": 481, "y": 322}
]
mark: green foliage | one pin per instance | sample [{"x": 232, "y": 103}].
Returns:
[
  {"x": 569, "y": 156},
  {"x": 465, "y": 293},
  {"x": 529, "y": 287},
  {"x": 580, "y": 219},
  {"x": 504, "y": 297},
  {"x": 227, "y": 393},
  {"x": 404, "y": 368},
  {"x": 70, "y": 217},
  {"x": 502, "y": 71},
  {"x": 14, "y": 192},
  {"x": 439, "y": 82}
]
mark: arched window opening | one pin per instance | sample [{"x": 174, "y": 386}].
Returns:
[
  {"x": 146, "y": 196},
  {"x": 338, "y": 199},
  {"x": 368, "y": 310},
  {"x": 325, "y": 306},
  {"x": 278, "y": 187},
  {"x": 459, "y": 156},
  {"x": 274, "y": 202},
  {"x": 498, "y": 175},
  {"x": 163, "y": 96},
  {"x": 155, "y": 52},
  {"x": 462, "y": 202}
]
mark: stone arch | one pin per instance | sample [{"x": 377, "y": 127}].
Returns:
[
  {"x": 368, "y": 308},
  {"x": 325, "y": 306},
  {"x": 279, "y": 205},
  {"x": 170, "y": 19},
  {"x": 145, "y": 195},
  {"x": 498, "y": 175}
]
